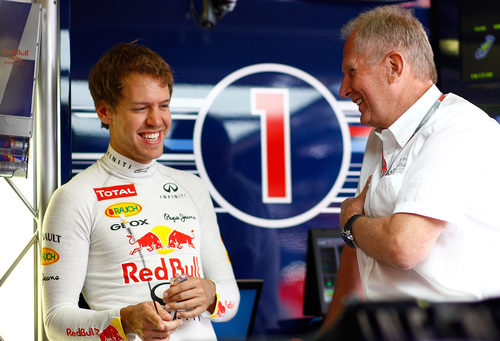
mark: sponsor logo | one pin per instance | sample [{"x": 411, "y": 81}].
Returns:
[
  {"x": 221, "y": 310},
  {"x": 49, "y": 256},
  {"x": 51, "y": 237},
  {"x": 162, "y": 239},
  {"x": 143, "y": 170},
  {"x": 133, "y": 274},
  {"x": 14, "y": 60},
  {"x": 113, "y": 192},
  {"x": 170, "y": 187},
  {"x": 47, "y": 278},
  {"x": 127, "y": 208},
  {"x": 173, "y": 196},
  {"x": 180, "y": 217},
  {"x": 110, "y": 333},
  {"x": 133, "y": 223},
  {"x": 229, "y": 304},
  {"x": 18, "y": 52},
  {"x": 82, "y": 332},
  {"x": 118, "y": 161}
]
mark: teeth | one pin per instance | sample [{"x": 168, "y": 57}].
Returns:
[
  {"x": 151, "y": 137},
  {"x": 358, "y": 101}
]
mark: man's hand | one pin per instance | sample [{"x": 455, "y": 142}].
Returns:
[
  {"x": 352, "y": 206},
  {"x": 143, "y": 320},
  {"x": 193, "y": 297}
]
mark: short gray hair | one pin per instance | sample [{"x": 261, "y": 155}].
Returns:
[{"x": 392, "y": 28}]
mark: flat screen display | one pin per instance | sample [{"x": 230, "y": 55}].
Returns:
[{"x": 480, "y": 40}]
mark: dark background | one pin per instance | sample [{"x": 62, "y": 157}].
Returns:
[{"x": 301, "y": 33}]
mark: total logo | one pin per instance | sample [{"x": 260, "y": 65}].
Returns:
[
  {"x": 127, "y": 208},
  {"x": 162, "y": 239},
  {"x": 113, "y": 192}
]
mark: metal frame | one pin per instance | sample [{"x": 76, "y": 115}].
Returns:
[{"x": 46, "y": 146}]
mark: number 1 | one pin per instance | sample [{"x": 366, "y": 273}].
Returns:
[{"x": 272, "y": 105}]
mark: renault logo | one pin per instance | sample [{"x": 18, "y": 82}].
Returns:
[{"x": 170, "y": 187}]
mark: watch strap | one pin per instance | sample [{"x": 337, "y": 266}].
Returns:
[{"x": 347, "y": 231}]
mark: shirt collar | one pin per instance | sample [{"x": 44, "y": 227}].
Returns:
[
  {"x": 116, "y": 162},
  {"x": 404, "y": 127}
]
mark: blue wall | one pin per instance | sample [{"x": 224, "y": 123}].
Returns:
[{"x": 214, "y": 132}]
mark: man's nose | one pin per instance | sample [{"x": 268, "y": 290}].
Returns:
[
  {"x": 154, "y": 117},
  {"x": 345, "y": 88}
]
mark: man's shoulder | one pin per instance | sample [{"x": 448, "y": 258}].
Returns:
[
  {"x": 459, "y": 114},
  {"x": 178, "y": 174},
  {"x": 84, "y": 181}
]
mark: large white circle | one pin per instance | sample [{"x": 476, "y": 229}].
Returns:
[{"x": 346, "y": 157}]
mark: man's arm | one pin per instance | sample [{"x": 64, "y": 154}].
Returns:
[
  {"x": 348, "y": 284},
  {"x": 402, "y": 240}
]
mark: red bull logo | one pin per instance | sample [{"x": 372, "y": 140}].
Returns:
[
  {"x": 49, "y": 256},
  {"x": 221, "y": 310},
  {"x": 127, "y": 208},
  {"x": 162, "y": 239},
  {"x": 18, "y": 52},
  {"x": 150, "y": 241},
  {"x": 110, "y": 333},
  {"x": 178, "y": 239}
]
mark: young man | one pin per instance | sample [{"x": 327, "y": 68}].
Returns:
[
  {"x": 121, "y": 230},
  {"x": 424, "y": 225}
]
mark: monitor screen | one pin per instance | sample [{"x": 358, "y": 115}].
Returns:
[
  {"x": 324, "y": 249},
  {"x": 480, "y": 40},
  {"x": 240, "y": 326}
]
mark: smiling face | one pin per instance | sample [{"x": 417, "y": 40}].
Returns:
[
  {"x": 367, "y": 86},
  {"x": 139, "y": 123}
]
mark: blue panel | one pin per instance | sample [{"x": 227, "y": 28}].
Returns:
[{"x": 300, "y": 34}]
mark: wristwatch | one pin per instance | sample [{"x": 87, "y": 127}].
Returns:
[{"x": 346, "y": 231}]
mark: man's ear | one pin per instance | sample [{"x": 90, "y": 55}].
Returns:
[
  {"x": 396, "y": 64},
  {"x": 104, "y": 113}
]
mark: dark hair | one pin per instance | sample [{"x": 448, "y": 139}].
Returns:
[{"x": 107, "y": 75}]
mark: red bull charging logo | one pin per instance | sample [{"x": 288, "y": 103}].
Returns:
[{"x": 162, "y": 239}]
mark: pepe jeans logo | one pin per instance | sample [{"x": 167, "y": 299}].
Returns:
[{"x": 170, "y": 187}]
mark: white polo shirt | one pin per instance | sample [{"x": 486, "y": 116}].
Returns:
[{"x": 449, "y": 170}]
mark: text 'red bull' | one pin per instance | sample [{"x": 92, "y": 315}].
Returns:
[
  {"x": 82, "y": 332},
  {"x": 131, "y": 273}
]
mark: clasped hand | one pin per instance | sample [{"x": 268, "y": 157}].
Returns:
[
  {"x": 191, "y": 297},
  {"x": 352, "y": 206}
]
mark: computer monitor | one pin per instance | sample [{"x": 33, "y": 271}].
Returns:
[
  {"x": 240, "y": 326},
  {"x": 323, "y": 258}
]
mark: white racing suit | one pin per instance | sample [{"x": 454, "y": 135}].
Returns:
[{"x": 85, "y": 248}]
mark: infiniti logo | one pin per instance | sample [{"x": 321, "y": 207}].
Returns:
[{"x": 169, "y": 186}]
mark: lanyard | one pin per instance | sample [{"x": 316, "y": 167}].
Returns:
[{"x": 434, "y": 107}]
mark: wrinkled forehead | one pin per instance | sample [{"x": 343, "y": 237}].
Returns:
[{"x": 350, "y": 57}]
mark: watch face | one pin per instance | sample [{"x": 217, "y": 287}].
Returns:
[{"x": 347, "y": 237}]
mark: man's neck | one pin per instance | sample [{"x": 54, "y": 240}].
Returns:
[{"x": 409, "y": 93}]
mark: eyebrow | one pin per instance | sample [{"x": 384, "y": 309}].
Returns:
[{"x": 147, "y": 103}]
